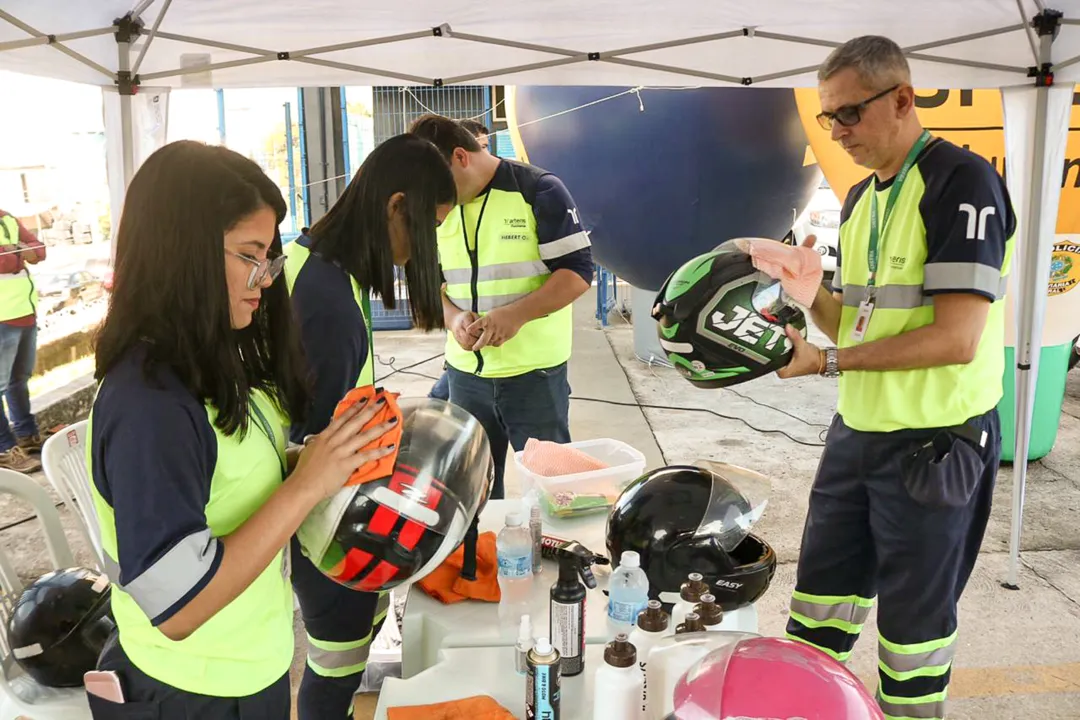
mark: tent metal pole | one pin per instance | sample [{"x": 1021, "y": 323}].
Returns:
[
  {"x": 671, "y": 69},
  {"x": 63, "y": 37},
  {"x": 1029, "y": 32},
  {"x": 796, "y": 39},
  {"x": 4, "y": 15},
  {"x": 141, "y": 8},
  {"x": 786, "y": 73},
  {"x": 1067, "y": 63},
  {"x": 214, "y": 43},
  {"x": 484, "y": 40},
  {"x": 359, "y": 44},
  {"x": 127, "y": 130},
  {"x": 361, "y": 69},
  {"x": 1034, "y": 274},
  {"x": 516, "y": 69},
  {"x": 207, "y": 68},
  {"x": 675, "y": 43},
  {"x": 968, "y": 63},
  {"x": 150, "y": 38},
  {"x": 965, "y": 38}
]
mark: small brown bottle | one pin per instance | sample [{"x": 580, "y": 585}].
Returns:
[
  {"x": 710, "y": 613},
  {"x": 692, "y": 623}
]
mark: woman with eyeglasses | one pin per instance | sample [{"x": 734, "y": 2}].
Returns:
[
  {"x": 200, "y": 373},
  {"x": 385, "y": 219}
]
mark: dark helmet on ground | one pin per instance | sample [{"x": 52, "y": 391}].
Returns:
[
  {"x": 60, "y": 624},
  {"x": 395, "y": 530},
  {"x": 721, "y": 321},
  {"x": 684, "y": 519}
]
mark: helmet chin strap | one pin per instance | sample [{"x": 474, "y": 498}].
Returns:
[{"x": 468, "y": 566}]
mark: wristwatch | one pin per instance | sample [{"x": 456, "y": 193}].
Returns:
[{"x": 832, "y": 364}]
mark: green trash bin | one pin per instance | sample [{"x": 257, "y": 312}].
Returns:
[{"x": 1049, "y": 396}]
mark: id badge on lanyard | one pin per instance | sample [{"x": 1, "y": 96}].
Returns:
[{"x": 866, "y": 307}]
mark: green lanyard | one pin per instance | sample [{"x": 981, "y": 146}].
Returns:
[
  {"x": 269, "y": 432},
  {"x": 875, "y": 234}
]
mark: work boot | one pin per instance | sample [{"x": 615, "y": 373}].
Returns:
[
  {"x": 31, "y": 443},
  {"x": 16, "y": 459}
]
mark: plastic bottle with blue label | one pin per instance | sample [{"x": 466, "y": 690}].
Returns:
[
  {"x": 514, "y": 550},
  {"x": 628, "y": 593}
]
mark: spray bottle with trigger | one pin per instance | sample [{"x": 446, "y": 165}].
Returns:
[{"x": 567, "y": 609}]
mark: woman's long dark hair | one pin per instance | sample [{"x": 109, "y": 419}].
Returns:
[
  {"x": 355, "y": 233},
  {"x": 170, "y": 290}
]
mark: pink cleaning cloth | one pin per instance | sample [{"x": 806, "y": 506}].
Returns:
[
  {"x": 798, "y": 268},
  {"x": 549, "y": 459}
]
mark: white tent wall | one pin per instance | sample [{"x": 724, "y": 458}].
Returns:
[
  {"x": 149, "y": 114},
  {"x": 1007, "y": 44}
]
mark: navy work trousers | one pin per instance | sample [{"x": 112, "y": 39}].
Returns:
[
  {"x": 873, "y": 530},
  {"x": 149, "y": 699},
  {"x": 511, "y": 410}
]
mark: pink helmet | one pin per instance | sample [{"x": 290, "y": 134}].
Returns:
[{"x": 765, "y": 677}]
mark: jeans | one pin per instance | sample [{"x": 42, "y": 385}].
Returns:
[
  {"x": 18, "y": 352},
  {"x": 514, "y": 409},
  {"x": 441, "y": 389}
]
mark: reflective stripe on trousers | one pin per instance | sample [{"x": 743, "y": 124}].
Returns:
[{"x": 340, "y": 659}]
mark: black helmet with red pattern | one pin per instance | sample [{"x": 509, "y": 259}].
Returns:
[{"x": 394, "y": 530}]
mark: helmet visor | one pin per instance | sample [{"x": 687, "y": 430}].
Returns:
[
  {"x": 441, "y": 476},
  {"x": 772, "y": 302},
  {"x": 736, "y": 502}
]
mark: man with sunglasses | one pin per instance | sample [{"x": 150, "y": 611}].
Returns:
[{"x": 901, "y": 499}]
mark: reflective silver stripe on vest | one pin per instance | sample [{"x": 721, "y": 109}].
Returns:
[
  {"x": 486, "y": 303},
  {"x": 965, "y": 276},
  {"x": 383, "y": 604},
  {"x": 164, "y": 583},
  {"x": 847, "y": 612},
  {"x": 564, "y": 246},
  {"x": 888, "y": 297},
  {"x": 926, "y": 711},
  {"x": 907, "y": 297},
  {"x": 339, "y": 659},
  {"x": 498, "y": 271},
  {"x": 903, "y": 663}
]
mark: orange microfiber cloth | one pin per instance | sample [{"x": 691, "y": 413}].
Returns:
[
  {"x": 446, "y": 584},
  {"x": 797, "y": 267},
  {"x": 551, "y": 459},
  {"x": 384, "y": 466},
  {"x": 477, "y": 707}
]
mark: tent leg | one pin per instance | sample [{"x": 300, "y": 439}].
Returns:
[
  {"x": 1035, "y": 269},
  {"x": 127, "y": 131}
]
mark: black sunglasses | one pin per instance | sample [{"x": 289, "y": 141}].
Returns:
[{"x": 849, "y": 115}]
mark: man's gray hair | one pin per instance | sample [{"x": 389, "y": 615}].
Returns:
[{"x": 878, "y": 61}]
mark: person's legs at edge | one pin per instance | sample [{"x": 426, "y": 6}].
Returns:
[
  {"x": 12, "y": 456},
  {"x": 835, "y": 585},
  {"x": 441, "y": 389},
  {"x": 926, "y": 555},
  {"x": 23, "y": 421},
  {"x": 476, "y": 396},
  {"x": 341, "y": 624}
]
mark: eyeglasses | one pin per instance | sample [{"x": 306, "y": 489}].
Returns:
[
  {"x": 849, "y": 115},
  {"x": 271, "y": 267}
]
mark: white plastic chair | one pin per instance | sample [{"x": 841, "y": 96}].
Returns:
[
  {"x": 63, "y": 458},
  {"x": 20, "y": 695}
]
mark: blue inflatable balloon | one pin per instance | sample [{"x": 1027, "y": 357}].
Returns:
[{"x": 659, "y": 185}]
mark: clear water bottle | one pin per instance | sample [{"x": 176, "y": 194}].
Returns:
[
  {"x": 628, "y": 593},
  {"x": 514, "y": 548}
]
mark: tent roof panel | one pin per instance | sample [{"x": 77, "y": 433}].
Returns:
[{"x": 602, "y": 26}]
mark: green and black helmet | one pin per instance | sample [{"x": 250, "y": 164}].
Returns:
[{"x": 721, "y": 320}]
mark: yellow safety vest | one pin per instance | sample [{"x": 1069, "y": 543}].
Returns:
[
  {"x": 248, "y": 644},
  {"x": 18, "y": 295},
  {"x": 297, "y": 255},
  {"x": 494, "y": 270},
  {"x": 924, "y": 398}
]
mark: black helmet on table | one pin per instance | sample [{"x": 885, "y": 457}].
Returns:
[
  {"x": 396, "y": 529},
  {"x": 684, "y": 519},
  {"x": 721, "y": 321},
  {"x": 60, "y": 624}
]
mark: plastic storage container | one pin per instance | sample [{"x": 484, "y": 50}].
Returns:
[{"x": 585, "y": 492}]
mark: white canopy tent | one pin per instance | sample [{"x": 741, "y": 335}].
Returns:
[{"x": 138, "y": 51}]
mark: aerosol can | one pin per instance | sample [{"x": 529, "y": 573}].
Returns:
[{"x": 543, "y": 683}]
